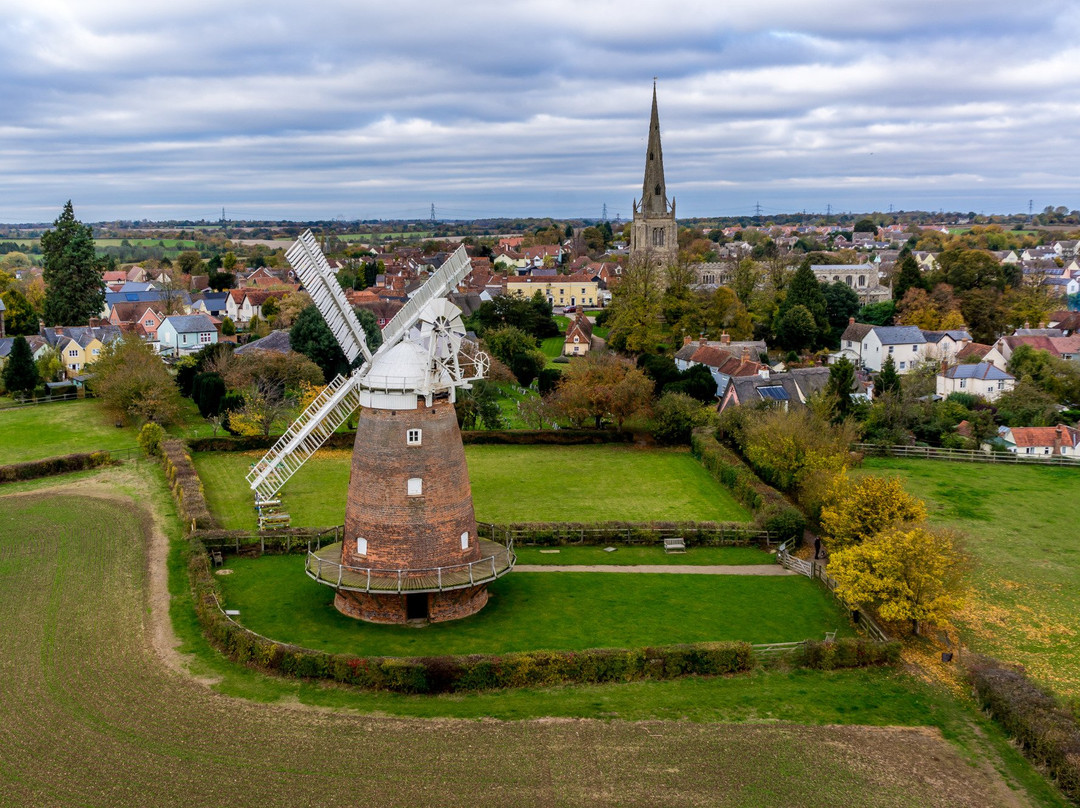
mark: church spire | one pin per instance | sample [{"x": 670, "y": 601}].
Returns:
[{"x": 654, "y": 190}]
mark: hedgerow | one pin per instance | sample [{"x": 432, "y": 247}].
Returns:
[
  {"x": 50, "y": 466},
  {"x": 772, "y": 512}
]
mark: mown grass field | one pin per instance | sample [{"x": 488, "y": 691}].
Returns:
[
  {"x": 509, "y": 484},
  {"x": 90, "y": 716},
  {"x": 38, "y": 431},
  {"x": 530, "y": 611},
  {"x": 1021, "y": 526}
]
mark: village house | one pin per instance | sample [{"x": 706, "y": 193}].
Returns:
[
  {"x": 981, "y": 379},
  {"x": 945, "y": 345},
  {"x": 558, "y": 290},
  {"x": 579, "y": 336},
  {"x": 786, "y": 389},
  {"x": 862, "y": 278},
  {"x": 1041, "y": 440},
  {"x": 684, "y": 357},
  {"x": 79, "y": 346},
  {"x": 186, "y": 333},
  {"x": 1059, "y": 346},
  {"x": 868, "y": 345}
]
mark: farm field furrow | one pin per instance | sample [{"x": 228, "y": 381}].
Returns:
[{"x": 90, "y": 716}]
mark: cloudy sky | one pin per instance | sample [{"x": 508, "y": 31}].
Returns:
[{"x": 379, "y": 110}]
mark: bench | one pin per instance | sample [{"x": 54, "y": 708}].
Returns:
[
  {"x": 215, "y": 555},
  {"x": 676, "y": 545}
]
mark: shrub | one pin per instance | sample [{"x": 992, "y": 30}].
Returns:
[
  {"x": 50, "y": 466},
  {"x": 1048, "y": 734},
  {"x": 847, "y": 652},
  {"x": 150, "y": 438}
]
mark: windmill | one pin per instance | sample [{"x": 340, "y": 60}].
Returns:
[{"x": 410, "y": 548}]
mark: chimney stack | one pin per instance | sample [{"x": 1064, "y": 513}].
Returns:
[
  {"x": 1057, "y": 440},
  {"x": 851, "y": 321},
  {"x": 686, "y": 340},
  {"x": 725, "y": 338},
  {"x": 745, "y": 354}
]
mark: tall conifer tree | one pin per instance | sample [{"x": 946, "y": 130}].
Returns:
[
  {"x": 20, "y": 372},
  {"x": 74, "y": 285}
]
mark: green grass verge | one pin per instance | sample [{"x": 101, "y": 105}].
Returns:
[
  {"x": 625, "y": 555},
  {"x": 1020, "y": 526},
  {"x": 510, "y": 484},
  {"x": 542, "y": 610}
]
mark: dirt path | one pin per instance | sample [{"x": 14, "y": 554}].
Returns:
[{"x": 679, "y": 569}]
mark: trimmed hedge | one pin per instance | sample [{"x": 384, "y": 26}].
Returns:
[
  {"x": 847, "y": 652},
  {"x": 557, "y": 533},
  {"x": 515, "y": 437},
  {"x": 186, "y": 486},
  {"x": 772, "y": 511},
  {"x": 1049, "y": 735},
  {"x": 50, "y": 466}
]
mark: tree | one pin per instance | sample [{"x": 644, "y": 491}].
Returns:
[
  {"x": 1053, "y": 375},
  {"x": 969, "y": 269},
  {"x": 908, "y": 276},
  {"x": 602, "y": 386},
  {"x": 229, "y": 262},
  {"x": 841, "y": 304},
  {"x": 745, "y": 279},
  {"x": 478, "y": 405},
  {"x": 20, "y": 373},
  {"x": 984, "y": 314},
  {"x": 518, "y": 351},
  {"x": 838, "y": 388},
  {"x": 906, "y": 573},
  {"x": 269, "y": 308},
  {"x": 228, "y": 327},
  {"x": 1026, "y": 405},
  {"x": 877, "y": 313},
  {"x": 19, "y": 317},
  {"x": 796, "y": 330},
  {"x": 856, "y": 510},
  {"x": 189, "y": 262},
  {"x": 804, "y": 290},
  {"x": 263, "y": 405},
  {"x": 50, "y": 366},
  {"x": 133, "y": 382},
  {"x": 865, "y": 226},
  {"x": 888, "y": 380},
  {"x": 675, "y": 416},
  {"x": 635, "y": 306},
  {"x": 74, "y": 285},
  {"x": 311, "y": 336},
  {"x": 220, "y": 281}
]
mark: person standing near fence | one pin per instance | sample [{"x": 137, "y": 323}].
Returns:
[{"x": 817, "y": 547}]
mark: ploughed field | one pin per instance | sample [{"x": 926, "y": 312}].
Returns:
[
  {"x": 1022, "y": 528},
  {"x": 509, "y": 483},
  {"x": 89, "y": 715}
]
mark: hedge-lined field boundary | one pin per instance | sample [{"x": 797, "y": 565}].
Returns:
[
  {"x": 51, "y": 466},
  {"x": 509, "y": 437},
  {"x": 186, "y": 486},
  {"x": 772, "y": 511},
  {"x": 1048, "y": 734},
  {"x": 694, "y": 534},
  {"x": 476, "y": 672}
]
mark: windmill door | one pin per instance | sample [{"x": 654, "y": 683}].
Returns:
[{"x": 416, "y": 606}]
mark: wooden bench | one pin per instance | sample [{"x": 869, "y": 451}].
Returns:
[
  {"x": 676, "y": 545},
  {"x": 215, "y": 555}
]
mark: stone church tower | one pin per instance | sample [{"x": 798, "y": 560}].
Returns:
[{"x": 654, "y": 229}]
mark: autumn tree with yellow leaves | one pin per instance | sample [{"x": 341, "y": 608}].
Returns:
[
  {"x": 907, "y": 572},
  {"x": 857, "y": 510}
]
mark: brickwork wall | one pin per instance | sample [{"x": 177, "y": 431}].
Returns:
[
  {"x": 391, "y": 608},
  {"x": 402, "y": 531}
]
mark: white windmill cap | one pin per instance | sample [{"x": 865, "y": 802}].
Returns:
[{"x": 403, "y": 367}]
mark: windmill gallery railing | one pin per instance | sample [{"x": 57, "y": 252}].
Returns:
[{"x": 495, "y": 561}]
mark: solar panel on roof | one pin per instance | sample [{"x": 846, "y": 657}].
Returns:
[{"x": 774, "y": 393}]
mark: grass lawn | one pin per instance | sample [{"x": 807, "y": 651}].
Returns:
[
  {"x": 541, "y": 610},
  {"x": 553, "y": 346},
  {"x": 510, "y": 484},
  {"x": 631, "y": 555},
  {"x": 45, "y": 430},
  {"x": 1020, "y": 526}
]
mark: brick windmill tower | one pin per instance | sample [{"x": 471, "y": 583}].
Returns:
[{"x": 410, "y": 548}]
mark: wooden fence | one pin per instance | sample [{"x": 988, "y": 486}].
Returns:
[
  {"x": 812, "y": 570},
  {"x": 964, "y": 455}
]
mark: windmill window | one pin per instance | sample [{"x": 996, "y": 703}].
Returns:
[
  {"x": 465, "y": 540},
  {"x": 361, "y": 545},
  {"x": 416, "y": 487},
  {"x": 412, "y": 437}
]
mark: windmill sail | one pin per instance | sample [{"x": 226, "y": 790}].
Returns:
[
  {"x": 302, "y": 439},
  {"x": 318, "y": 278},
  {"x": 442, "y": 282}
]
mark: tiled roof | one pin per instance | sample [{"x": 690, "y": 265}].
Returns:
[
  {"x": 1024, "y": 436},
  {"x": 899, "y": 335},
  {"x": 979, "y": 370},
  {"x": 190, "y": 323}
]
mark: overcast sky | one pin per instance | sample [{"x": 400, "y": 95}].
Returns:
[{"x": 379, "y": 110}]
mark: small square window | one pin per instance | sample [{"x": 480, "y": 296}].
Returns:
[
  {"x": 412, "y": 437},
  {"x": 416, "y": 487}
]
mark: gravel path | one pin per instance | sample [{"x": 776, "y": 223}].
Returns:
[{"x": 682, "y": 569}]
